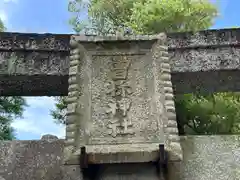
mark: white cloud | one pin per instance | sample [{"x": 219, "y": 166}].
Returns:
[
  {"x": 26, "y": 126},
  {"x": 3, "y": 16},
  {"x": 41, "y": 102},
  {"x": 7, "y": 1},
  {"x": 37, "y": 120},
  {"x": 6, "y": 9},
  {"x": 31, "y": 127}
]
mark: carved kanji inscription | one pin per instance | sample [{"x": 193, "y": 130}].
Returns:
[
  {"x": 123, "y": 108},
  {"x": 120, "y": 103}
]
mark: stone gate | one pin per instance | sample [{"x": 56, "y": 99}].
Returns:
[{"x": 120, "y": 93}]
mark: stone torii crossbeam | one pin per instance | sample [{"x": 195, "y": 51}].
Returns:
[{"x": 37, "y": 64}]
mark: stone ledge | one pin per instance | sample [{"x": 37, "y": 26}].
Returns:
[
  {"x": 84, "y": 38},
  {"x": 60, "y": 42},
  {"x": 122, "y": 153}
]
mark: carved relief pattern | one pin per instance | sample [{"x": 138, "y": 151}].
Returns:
[
  {"x": 74, "y": 93},
  {"x": 120, "y": 103},
  {"x": 30, "y": 54},
  {"x": 30, "y": 63},
  {"x": 171, "y": 130}
]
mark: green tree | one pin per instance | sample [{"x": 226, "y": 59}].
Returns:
[
  {"x": 210, "y": 114},
  {"x": 10, "y": 108},
  {"x": 144, "y": 16},
  {"x": 2, "y": 28},
  {"x": 59, "y": 114},
  {"x": 196, "y": 114}
]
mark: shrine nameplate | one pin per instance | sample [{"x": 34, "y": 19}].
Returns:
[
  {"x": 116, "y": 101},
  {"x": 123, "y": 107}
]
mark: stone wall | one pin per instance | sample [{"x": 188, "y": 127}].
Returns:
[
  {"x": 205, "y": 157},
  {"x": 208, "y": 157},
  {"x": 204, "y": 61}
]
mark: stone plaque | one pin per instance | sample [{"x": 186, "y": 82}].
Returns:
[
  {"x": 118, "y": 100},
  {"x": 123, "y": 107}
]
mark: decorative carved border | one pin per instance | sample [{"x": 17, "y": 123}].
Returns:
[
  {"x": 74, "y": 92},
  {"x": 171, "y": 130}
]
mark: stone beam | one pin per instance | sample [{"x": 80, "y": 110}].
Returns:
[{"x": 37, "y": 64}]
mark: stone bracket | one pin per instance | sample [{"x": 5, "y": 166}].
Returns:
[
  {"x": 110, "y": 154},
  {"x": 87, "y": 158},
  {"x": 163, "y": 158},
  {"x": 83, "y": 158},
  {"x": 163, "y": 161}
]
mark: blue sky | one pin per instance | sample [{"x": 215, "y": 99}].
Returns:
[{"x": 41, "y": 16}]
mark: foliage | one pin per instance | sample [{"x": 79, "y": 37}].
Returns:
[
  {"x": 196, "y": 114},
  {"x": 59, "y": 114},
  {"x": 145, "y": 16},
  {"x": 77, "y": 7},
  {"x": 210, "y": 114},
  {"x": 2, "y": 28},
  {"x": 10, "y": 108}
]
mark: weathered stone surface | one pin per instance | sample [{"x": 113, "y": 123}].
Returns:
[
  {"x": 7, "y": 159},
  {"x": 71, "y": 172},
  {"x": 31, "y": 160},
  {"x": 205, "y": 157},
  {"x": 207, "y": 82},
  {"x": 208, "y": 157},
  {"x": 47, "y": 54}
]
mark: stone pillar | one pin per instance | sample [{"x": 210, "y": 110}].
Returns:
[{"x": 120, "y": 106}]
